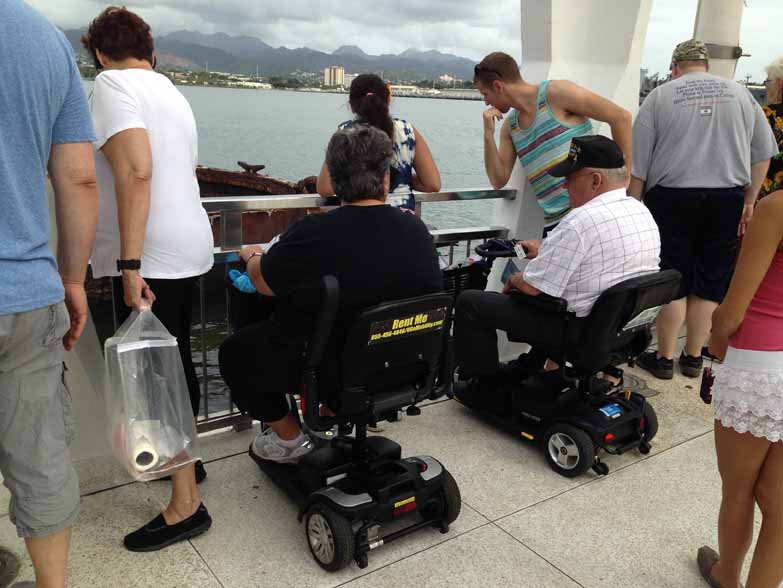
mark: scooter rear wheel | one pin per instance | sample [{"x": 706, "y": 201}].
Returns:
[
  {"x": 452, "y": 499},
  {"x": 330, "y": 537},
  {"x": 650, "y": 422}
]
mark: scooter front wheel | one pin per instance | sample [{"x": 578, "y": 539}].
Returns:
[{"x": 568, "y": 450}]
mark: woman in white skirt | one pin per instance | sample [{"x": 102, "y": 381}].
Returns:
[{"x": 747, "y": 330}]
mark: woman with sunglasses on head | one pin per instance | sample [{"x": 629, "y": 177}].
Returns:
[{"x": 412, "y": 166}]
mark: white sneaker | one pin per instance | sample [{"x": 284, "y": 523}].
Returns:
[{"x": 267, "y": 445}]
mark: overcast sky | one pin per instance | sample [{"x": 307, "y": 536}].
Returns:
[{"x": 469, "y": 28}]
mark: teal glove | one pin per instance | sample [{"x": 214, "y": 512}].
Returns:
[{"x": 241, "y": 281}]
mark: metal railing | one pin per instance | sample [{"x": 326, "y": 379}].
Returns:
[{"x": 231, "y": 208}]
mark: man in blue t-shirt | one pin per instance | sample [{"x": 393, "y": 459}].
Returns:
[{"x": 43, "y": 306}]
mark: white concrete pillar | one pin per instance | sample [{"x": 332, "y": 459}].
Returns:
[{"x": 718, "y": 25}]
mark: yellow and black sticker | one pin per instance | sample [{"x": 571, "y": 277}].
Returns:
[
  {"x": 404, "y": 502},
  {"x": 407, "y": 326}
]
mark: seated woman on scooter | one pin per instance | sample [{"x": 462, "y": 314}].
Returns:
[
  {"x": 377, "y": 253},
  {"x": 607, "y": 238}
]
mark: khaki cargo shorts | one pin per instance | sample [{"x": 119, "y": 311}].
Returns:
[{"x": 36, "y": 425}]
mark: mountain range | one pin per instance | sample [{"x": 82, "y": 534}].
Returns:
[{"x": 246, "y": 55}]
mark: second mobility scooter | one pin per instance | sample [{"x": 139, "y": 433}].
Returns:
[
  {"x": 571, "y": 413},
  {"x": 348, "y": 489}
]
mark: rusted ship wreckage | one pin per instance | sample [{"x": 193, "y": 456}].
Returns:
[{"x": 257, "y": 227}]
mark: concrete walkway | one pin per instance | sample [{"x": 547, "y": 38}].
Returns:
[{"x": 521, "y": 524}]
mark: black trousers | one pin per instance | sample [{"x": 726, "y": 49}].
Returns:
[
  {"x": 174, "y": 308},
  {"x": 480, "y": 314},
  {"x": 261, "y": 364}
]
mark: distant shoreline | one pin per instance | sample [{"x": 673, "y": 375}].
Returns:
[{"x": 441, "y": 95}]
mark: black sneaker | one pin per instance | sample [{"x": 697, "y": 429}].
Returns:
[
  {"x": 660, "y": 367},
  {"x": 157, "y": 534},
  {"x": 524, "y": 366},
  {"x": 690, "y": 366},
  {"x": 201, "y": 473}
]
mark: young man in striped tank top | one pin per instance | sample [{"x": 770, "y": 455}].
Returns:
[{"x": 543, "y": 120}]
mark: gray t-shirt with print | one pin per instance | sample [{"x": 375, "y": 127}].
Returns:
[{"x": 700, "y": 131}]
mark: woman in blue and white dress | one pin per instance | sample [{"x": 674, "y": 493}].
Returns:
[{"x": 412, "y": 167}]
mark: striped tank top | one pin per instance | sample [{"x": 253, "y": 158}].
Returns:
[{"x": 539, "y": 148}]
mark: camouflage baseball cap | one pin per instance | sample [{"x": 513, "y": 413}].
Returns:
[{"x": 690, "y": 50}]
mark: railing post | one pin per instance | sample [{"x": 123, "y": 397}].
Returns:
[
  {"x": 204, "y": 375},
  {"x": 231, "y": 230}
]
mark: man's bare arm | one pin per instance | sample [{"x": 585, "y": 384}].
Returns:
[
  {"x": 583, "y": 102},
  {"x": 498, "y": 163},
  {"x": 72, "y": 170},
  {"x": 758, "y": 172},
  {"x": 636, "y": 188}
]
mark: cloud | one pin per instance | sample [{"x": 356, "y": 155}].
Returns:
[{"x": 464, "y": 27}]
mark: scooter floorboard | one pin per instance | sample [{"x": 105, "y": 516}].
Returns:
[{"x": 285, "y": 477}]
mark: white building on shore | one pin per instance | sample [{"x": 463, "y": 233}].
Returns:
[{"x": 334, "y": 75}]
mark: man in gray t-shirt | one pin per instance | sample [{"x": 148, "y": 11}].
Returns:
[{"x": 701, "y": 148}]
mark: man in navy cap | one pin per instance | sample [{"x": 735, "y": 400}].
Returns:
[{"x": 607, "y": 238}]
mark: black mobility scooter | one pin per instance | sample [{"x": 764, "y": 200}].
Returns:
[
  {"x": 572, "y": 413},
  {"x": 348, "y": 489}
]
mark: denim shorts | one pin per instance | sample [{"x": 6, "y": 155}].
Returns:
[{"x": 36, "y": 424}]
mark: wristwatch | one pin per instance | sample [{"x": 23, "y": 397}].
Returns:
[{"x": 128, "y": 264}]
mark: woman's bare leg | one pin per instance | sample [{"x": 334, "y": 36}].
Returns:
[
  {"x": 766, "y": 570},
  {"x": 184, "y": 495},
  {"x": 740, "y": 459}
]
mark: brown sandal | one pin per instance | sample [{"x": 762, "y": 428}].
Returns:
[{"x": 706, "y": 559}]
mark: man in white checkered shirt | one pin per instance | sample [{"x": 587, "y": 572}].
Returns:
[{"x": 607, "y": 238}]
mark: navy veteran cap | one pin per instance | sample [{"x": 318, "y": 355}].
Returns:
[{"x": 589, "y": 151}]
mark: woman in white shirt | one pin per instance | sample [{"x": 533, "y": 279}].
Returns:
[{"x": 153, "y": 234}]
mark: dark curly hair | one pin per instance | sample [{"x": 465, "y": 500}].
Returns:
[
  {"x": 369, "y": 99},
  {"x": 119, "y": 34}
]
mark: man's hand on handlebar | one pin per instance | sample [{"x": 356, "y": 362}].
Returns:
[{"x": 531, "y": 247}]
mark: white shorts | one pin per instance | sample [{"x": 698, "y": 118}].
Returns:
[{"x": 748, "y": 392}]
